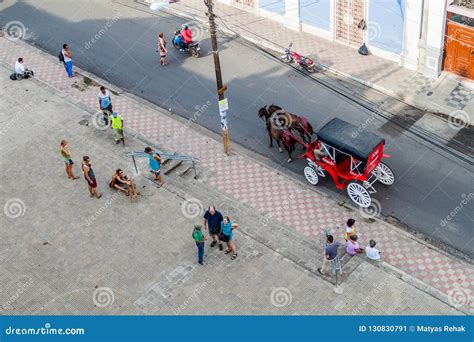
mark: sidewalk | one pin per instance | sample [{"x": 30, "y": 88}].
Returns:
[
  {"x": 449, "y": 94},
  {"x": 276, "y": 198}
]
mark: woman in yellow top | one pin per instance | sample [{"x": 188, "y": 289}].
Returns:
[
  {"x": 66, "y": 154},
  {"x": 350, "y": 229}
]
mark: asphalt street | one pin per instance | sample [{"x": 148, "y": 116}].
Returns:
[{"x": 431, "y": 183}]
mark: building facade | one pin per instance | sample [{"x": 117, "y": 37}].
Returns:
[{"x": 413, "y": 33}]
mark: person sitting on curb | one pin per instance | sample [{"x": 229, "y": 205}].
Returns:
[
  {"x": 353, "y": 247},
  {"x": 123, "y": 183},
  {"x": 20, "y": 70},
  {"x": 350, "y": 229},
  {"x": 199, "y": 239},
  {"x": 371, "y": 252}
]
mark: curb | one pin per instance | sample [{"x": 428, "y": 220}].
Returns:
[{"x": 262, "y": 161}]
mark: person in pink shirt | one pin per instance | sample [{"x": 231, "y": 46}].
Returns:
[{"x": 353, "y": 247}]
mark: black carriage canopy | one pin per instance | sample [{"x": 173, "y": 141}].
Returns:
[{"x": 349, "y": 139}]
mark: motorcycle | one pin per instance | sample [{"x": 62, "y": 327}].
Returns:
[
  {"x": 192, "y": 47},
  {"x": 293, "y": 57}
]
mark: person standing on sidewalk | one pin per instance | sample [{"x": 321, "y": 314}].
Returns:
[
  {"x": 90, "y": 177},
  {"x": 67, "y": 59},
  {"x": 105, "y": 104},
  {"x": 199, "y": 239},
  {"x": 66, "y": 154},
  {"x": 117, "y": 127},
  {"x": 213, "y": 219},
  {"x": 162, "y": 48},
  {"x": 227, "y": 235},
  {"x": 154, "y": 160},
  {"x": 330, "y": 253}
]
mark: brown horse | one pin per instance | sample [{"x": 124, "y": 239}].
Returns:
[
  {"x": 280, "y": 135},
  {"x": 292, "y": 121}
]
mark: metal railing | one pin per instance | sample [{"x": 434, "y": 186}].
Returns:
[{"x": 167, "y": 156}]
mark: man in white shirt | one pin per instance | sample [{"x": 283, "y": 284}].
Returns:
[
  {"x": 21, "y": 71},
  {"x": 67, "y": 60},
  {"x": 105, "y": 104},
  {"x": 372, "y": 252}
]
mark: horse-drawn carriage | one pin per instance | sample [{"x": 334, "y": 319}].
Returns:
[{"x": 350, "y": 157}]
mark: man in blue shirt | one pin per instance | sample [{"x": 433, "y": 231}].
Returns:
[
  {"x": 213, "y": 219},
  {"x": 154, "y": 160},
  {"x": 330, "y": 252}
]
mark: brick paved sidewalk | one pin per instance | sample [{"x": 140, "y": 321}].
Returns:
[
  {"x": 273, "y": 194},
  {"x": 449, "y": 94}
]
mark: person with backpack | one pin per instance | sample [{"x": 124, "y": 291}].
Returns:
[
  {"x": 65, "y": 56},
  {"x": 199, "y": 239}
]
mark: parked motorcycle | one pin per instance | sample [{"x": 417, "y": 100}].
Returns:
[
  {"x": 291, "y": 57},
  {"x": 193, "y": 47}
]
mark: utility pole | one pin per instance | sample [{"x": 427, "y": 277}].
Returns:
[{"x": 221, "y": 88}]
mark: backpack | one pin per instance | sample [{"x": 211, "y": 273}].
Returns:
[
  {"x": 13, "y": 76},
  {"x": 61, "y": 56}
]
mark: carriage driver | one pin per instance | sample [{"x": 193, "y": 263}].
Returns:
[{"x": 317, "y": 149}]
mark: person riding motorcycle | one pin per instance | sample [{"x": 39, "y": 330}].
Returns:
[{"x": 187, "y": 35}]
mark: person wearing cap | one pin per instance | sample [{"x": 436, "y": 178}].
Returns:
[
  {"x": 199, "y": 239},
  {"x": 116, "y": 122},
  {"x": 154, "y": 160}
]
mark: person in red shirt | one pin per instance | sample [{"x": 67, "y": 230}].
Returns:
[{"x": 187, "y": 35}]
